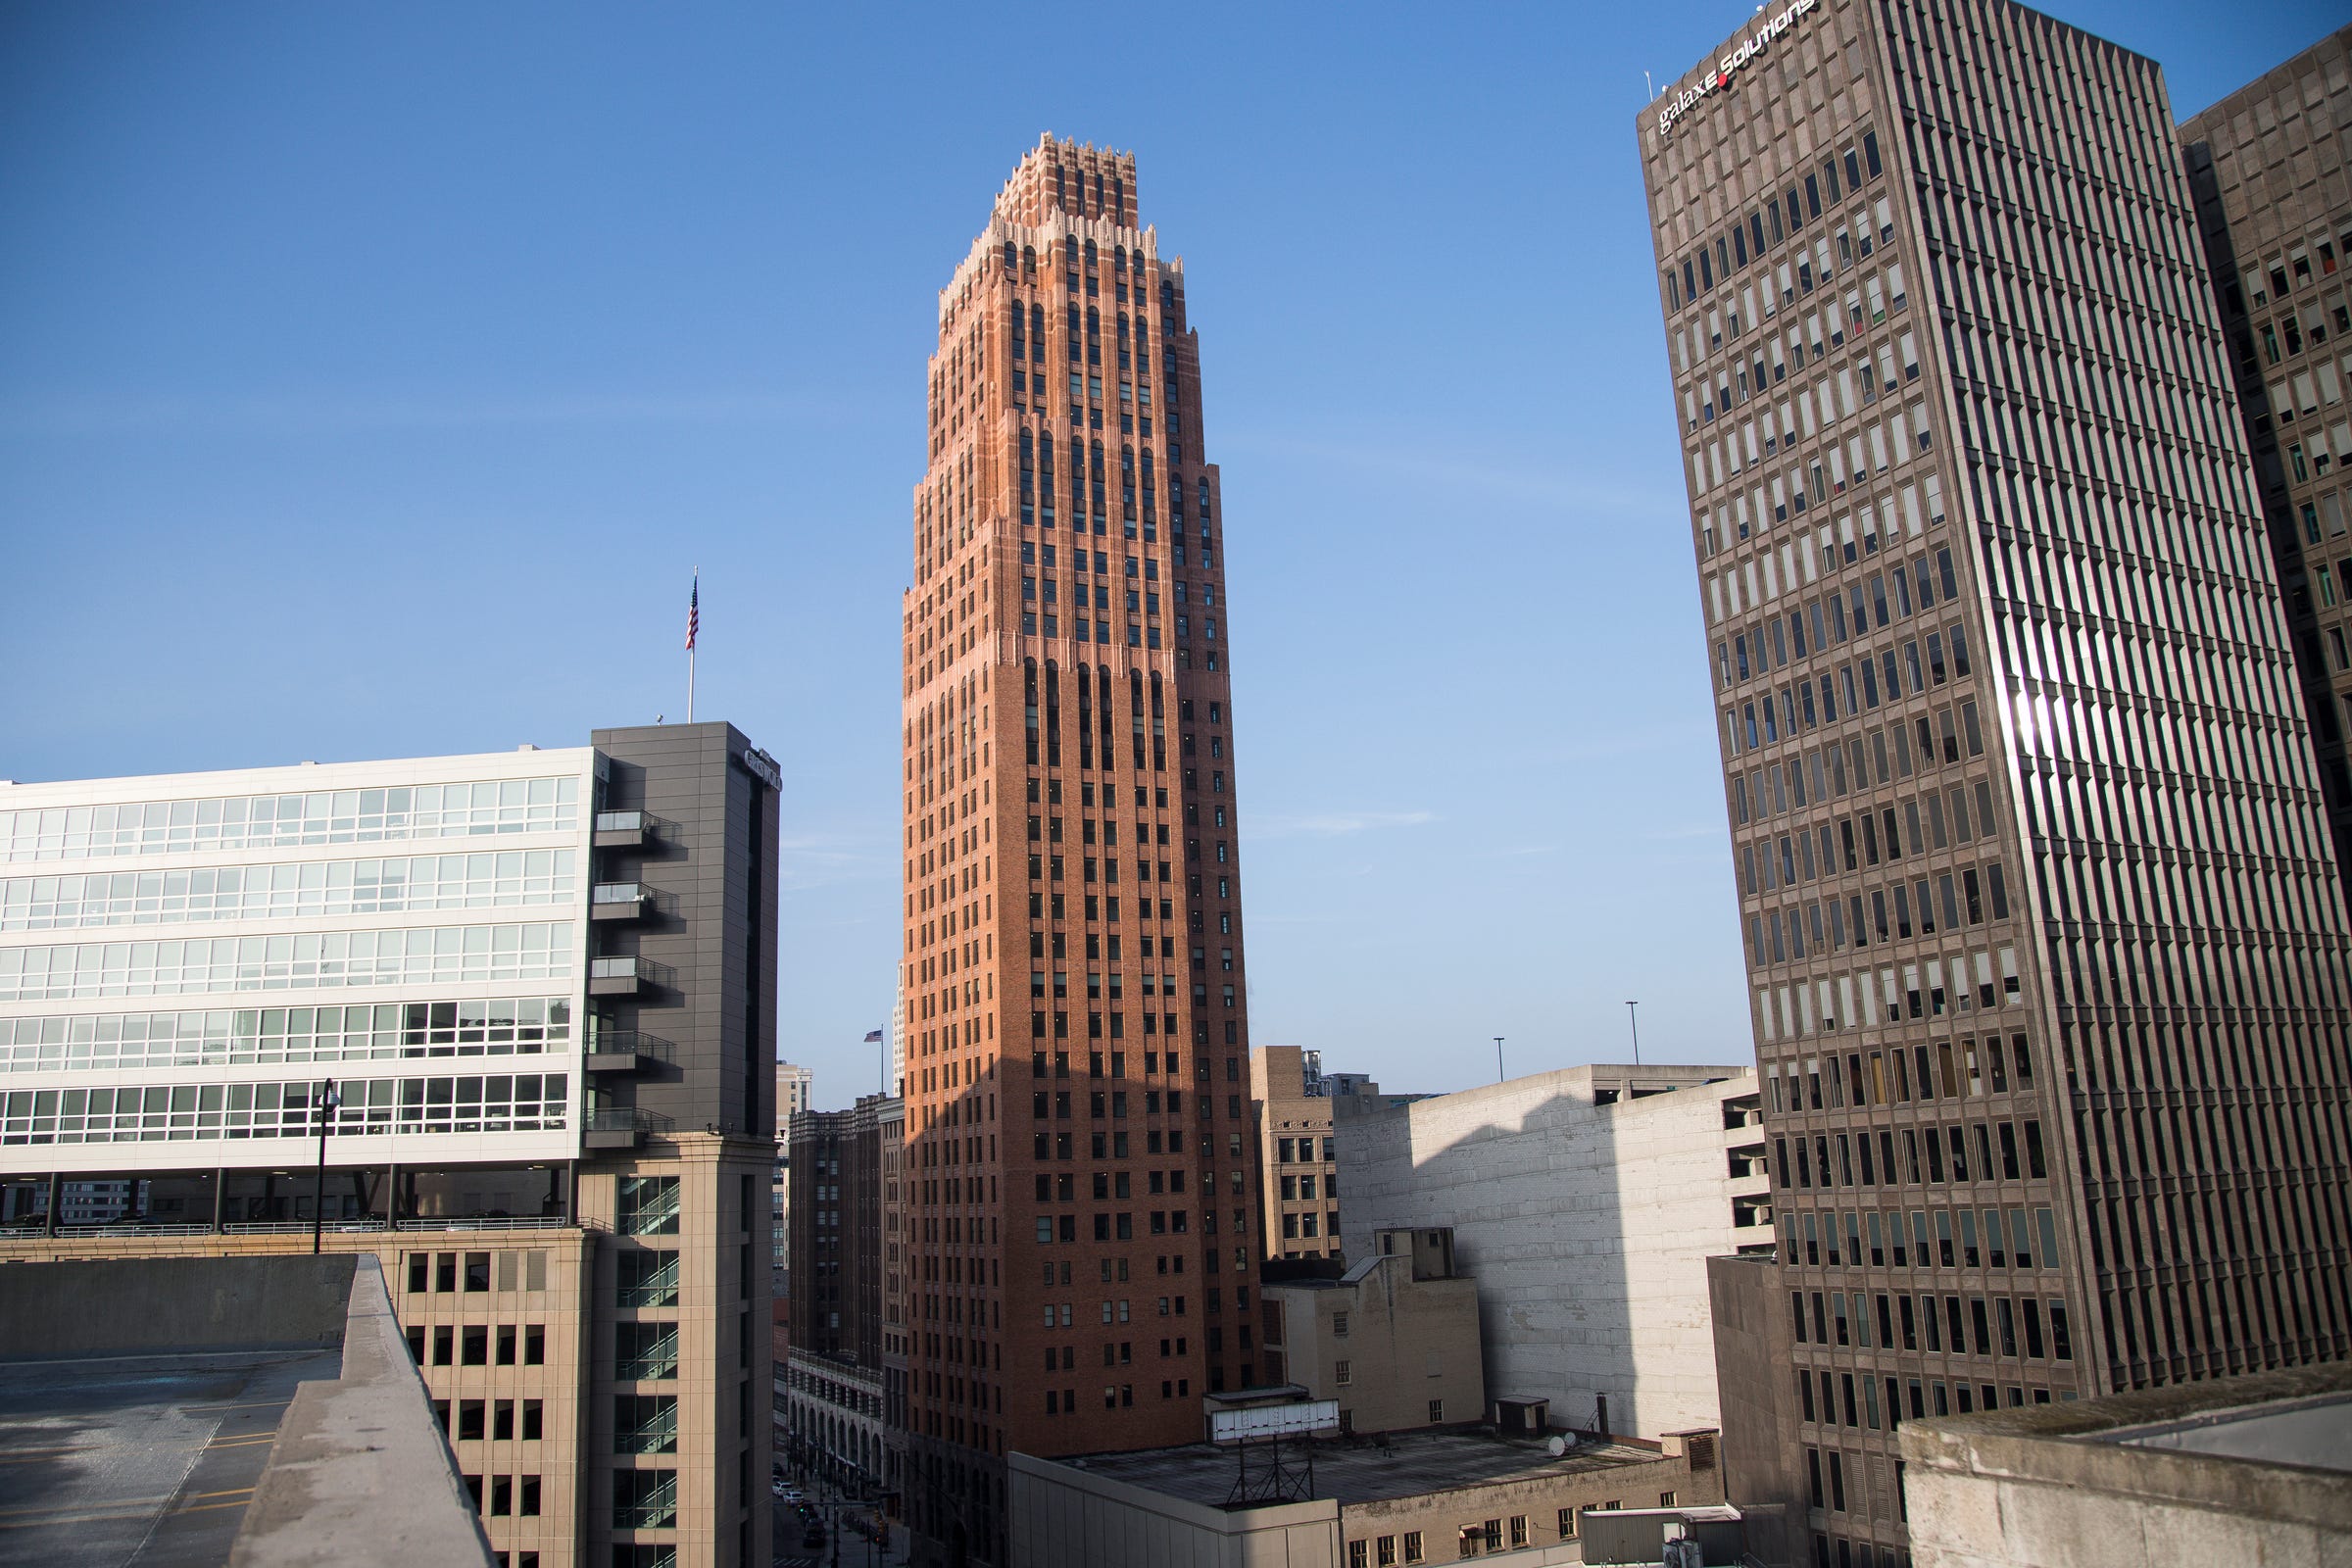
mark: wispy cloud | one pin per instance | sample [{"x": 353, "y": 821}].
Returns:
[
  {"x": 1336, "y": 824},
  {"x": 307, "y": 416},
  {"x": 1687, "y": 830},
  {"x": 806, "y": 860}
]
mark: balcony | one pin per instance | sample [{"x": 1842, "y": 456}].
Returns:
[
  {"x": 622, "y": 1127},
  {"x": 621, "y": 900},
  {"x": 628, "y": 1051},
  {"x": 626, "y": 830},
  {"x": 625, "y": 975}
]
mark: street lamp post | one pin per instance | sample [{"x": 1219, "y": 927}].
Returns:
[{"x": 328, "y": 1100}]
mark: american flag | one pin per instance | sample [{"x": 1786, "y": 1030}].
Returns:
[
  {"x": 694, "y": 612},
  {"x": 873, "y": 1037}
]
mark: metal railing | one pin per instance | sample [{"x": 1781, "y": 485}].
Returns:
[
  {"x": 627, "y": 966},
  {"x": 486, "y": 1222},
  {"x": 624, "y": 821},
  {"x": 627, "y": 1119},
  {"x": 631, "y": 1042},
  {"x": 620, "y": 893}
]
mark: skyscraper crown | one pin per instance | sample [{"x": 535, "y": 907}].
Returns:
[{"x": 1064, "y": 176}]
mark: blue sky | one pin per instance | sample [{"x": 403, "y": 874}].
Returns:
[{"x": 373, "y": 377}]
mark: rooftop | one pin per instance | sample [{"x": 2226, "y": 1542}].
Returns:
[
  {"x": 1357, "y": 1472},
  {"x": 192, "y": 1411},
  {"x": 108, "y": 1459}
]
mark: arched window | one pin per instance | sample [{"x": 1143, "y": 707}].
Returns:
[
  {"x": 1118, "y": 260},
  {"x": 1037, "y": 333},
  {"x": 1028, "y": 261},
  {"x": 1167, "y": 298},
  {"x": 1008, "y": 254},
  {"x": 1090, "y": 255},
  {"x": 1204, "y": 507}
]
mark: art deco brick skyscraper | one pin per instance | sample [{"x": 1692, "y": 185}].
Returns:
[
  {"x": 2047, "y": 951},
  {"x": 1080, "y": 1189}
]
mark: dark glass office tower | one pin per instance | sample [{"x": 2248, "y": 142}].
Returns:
[
  {"x": 2047, "y": 945},
  {"x": 2268, "y": 167}
]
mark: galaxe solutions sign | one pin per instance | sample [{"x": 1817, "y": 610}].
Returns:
[{"x": 1750, "y": 47}]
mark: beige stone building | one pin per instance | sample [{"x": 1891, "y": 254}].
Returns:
[
  {"x": 1393, "y": 1341},
  {"x": 1294, "y": 1105}
]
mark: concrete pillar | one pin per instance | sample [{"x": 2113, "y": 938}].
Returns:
[
  {"x": 392, "y": 1196},
  {"x": 56, "y": 1197},
  {"x": 219, "y": 1200}
]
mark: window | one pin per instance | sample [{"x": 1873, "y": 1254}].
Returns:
[
  {"x": 644, "y": 1423},
  {"x": 649, "y": 1205},
  {"x": 1518, "y": 1530},
  {"x": 1412, "y": 1546},
  {"x": 645, "y": 1499},
  {"x": 1342, "y": 1373},
  {"x": 645, "y": 1352},
  {"x": 1359, "y": 1554},
  {"x": 648, "y": 1277},
  {"x": 1338, "y": 1322},
  {"x": 1437, "y": 1411}
]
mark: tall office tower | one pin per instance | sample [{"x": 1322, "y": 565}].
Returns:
[
  {"x": 1081, "y": 1193},
  {"x": 542, "y": 984},
  {"x": 2047, "y": 950},
  {"x": 2266, "y": 164}
]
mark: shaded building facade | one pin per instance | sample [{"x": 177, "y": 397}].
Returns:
[
  {"x": 2044, "y": 933},
  {"x": 1075, "y": 1006},
  {"x": 2267, "y": 166}
]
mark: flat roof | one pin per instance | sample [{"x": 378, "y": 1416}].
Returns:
[
  {"x": 148, "y": 1457},
  {"x": 1360, "y": 1471},
  {"x": 2315, "y": 1432}
]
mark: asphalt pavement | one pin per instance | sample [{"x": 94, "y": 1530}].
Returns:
[{"x": 842, "y": 1545}]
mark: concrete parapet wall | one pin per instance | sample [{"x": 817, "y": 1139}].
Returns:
[
  {"x": 172, "y": 1303},
  {"x": 2041, "y": 1487}
]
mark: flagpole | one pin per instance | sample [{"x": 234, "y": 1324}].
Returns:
[{"x": 693, "y": 636}]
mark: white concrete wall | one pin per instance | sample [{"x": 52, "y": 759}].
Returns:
[{"x": 1586, "y": 1227}]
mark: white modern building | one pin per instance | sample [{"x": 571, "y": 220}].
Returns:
[
  {"x": 1585, "y": 1203},
  {"x": 530, "y": 996},
  {"x": 185, "y": 961}
]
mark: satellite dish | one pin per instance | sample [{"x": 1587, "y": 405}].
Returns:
[{"x": 1557, "y": 1445}]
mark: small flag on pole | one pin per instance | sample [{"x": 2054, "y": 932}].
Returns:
[
  {"x": 694, "y": 612},
  {"x": 873, "y": 1037}
]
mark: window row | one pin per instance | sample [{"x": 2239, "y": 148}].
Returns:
[
  {"x": 1952, "y": 1325},
  {"x": 268, "y": 821},
  {"x": 1869, "y": 453},
  {"x": 1988, "y": 1237},
  {"x": 470, "y": 1273},
  {"x": 303, "y": 889},
  {"x": 1052, "y": 1228},
  {"x": 477, "y": 1344},
  {"x": 362, "y": 1032},
  {"x": 1950, "y": 1070},
  {"x": 491, "y": 1421},
  {"x": 499, "y": 1102},
  {"x": 1948, "y": 1147},
  {"x": 1825, "y": 1006},
  {"x": 442, "y": 956}
]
